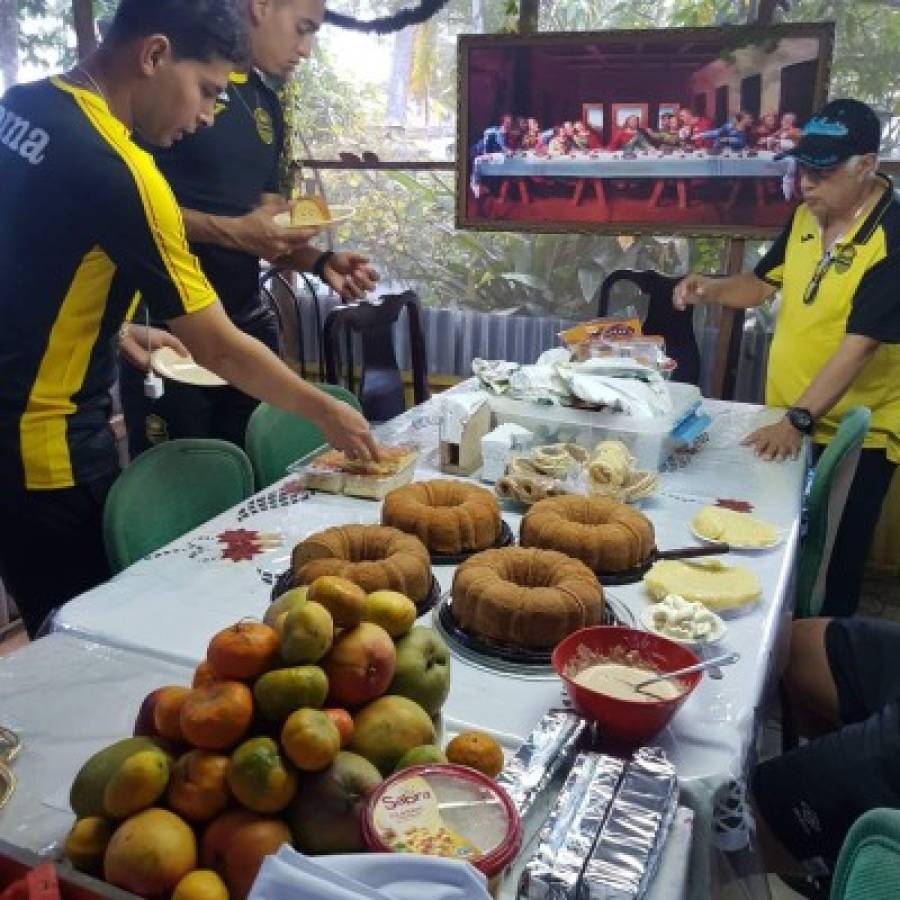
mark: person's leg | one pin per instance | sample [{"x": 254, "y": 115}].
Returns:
[
  {"x": 854, "y": 537},
  {"x": 808, "y": 679},
  {"x": 51, "y": 549}
]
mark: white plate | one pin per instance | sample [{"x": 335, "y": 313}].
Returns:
[
  {"x": 339, "y": 214},
  {"x": 169, "y": 364},
  {"x": 758, "y": 548},
  {"x": 647, "y": 621}
]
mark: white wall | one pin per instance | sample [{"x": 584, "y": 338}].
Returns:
[{"x": 751, "y": 61}]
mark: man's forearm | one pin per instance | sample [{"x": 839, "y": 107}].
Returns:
[
  {"x": 837, "y": 375},
  {"x": 302, "y": 259},
  {"x": 251, "y": 367},
  {"x": 204, "y": 228},
  {"x": 742, "y": 291}
]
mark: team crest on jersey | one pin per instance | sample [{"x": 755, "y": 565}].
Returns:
[{"x": 264, "y": 126}]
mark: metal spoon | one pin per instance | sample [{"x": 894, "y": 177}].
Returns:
[{"x": 726, "y": 660}]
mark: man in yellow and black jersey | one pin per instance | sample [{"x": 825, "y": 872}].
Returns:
[
  {"x": 225, "y": 179},
  {"x": 837, "y": 332},
  {"x": 86, "y": 220}
]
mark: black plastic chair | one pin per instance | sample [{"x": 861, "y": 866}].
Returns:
[
  {"x": 281, "y": 278},
  {"x": 677, "y": 328},
  {"x": 381, "y": 391}
]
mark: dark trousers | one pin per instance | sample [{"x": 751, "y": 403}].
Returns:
[
  {"x": 186, "y": 411},
  {"x": 51, "y": 547},
  {"x": 854, "y": 538}
]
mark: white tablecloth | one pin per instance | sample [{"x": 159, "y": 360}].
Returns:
[
  {"x": 169, "y": 606},
  {"x": 66, "y": 698}
]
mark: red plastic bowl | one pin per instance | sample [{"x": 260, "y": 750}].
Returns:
[{"x": 623, "y": 721}]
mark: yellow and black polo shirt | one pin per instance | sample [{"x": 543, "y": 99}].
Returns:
[
  {"x": 223, "y": 171},
  {"x": 86, "y": 220},
  {"x": 859, "y": 294}
]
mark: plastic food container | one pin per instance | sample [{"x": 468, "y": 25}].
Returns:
[{"x": 444, "y": 810}]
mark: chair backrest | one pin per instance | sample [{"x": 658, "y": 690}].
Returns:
[
  {"x": 827, "y": 498},
  {"x": 276, "y": 438},
  {"x": 168, "y": 490},
  {"x": 381, "y": 384},
  {"x": 868, "y": 866},
  {"x": 275, "y": 280},
  {"x": 662, "y": 318}
]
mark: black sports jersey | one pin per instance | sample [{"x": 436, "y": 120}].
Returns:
[
  {"x": 223, "y": 171},
  {"x": 86, "y": 220}
]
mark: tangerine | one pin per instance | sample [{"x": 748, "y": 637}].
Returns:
[
  {"x": 243, "y": 651},
  {"x": 217, "y": 716},
  {"x": 476, "y": 750}
]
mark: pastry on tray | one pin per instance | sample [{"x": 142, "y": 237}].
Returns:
[
  {"x": 334, "y": 472},
  {"x": 740, "y": 529}
]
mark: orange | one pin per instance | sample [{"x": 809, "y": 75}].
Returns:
[
  {"x": 216, "y": 717},
  {"x": 476, "y": 750},
  {"x": 167, "y": 712},
  {"x": 259, "y": 776},
  {"x": 198, "y": 787},
  {"x": 310, "y": 739},
  {"x": 203, "y": 675},
  {"x": 243, "y": 651},
  {"x": 201, "y": 884},
  {"x": 236, "y": 843},
  {"x": 344, "y": 722}
]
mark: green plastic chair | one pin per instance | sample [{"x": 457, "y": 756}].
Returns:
[
  {"x": 868, "y": 866},
  {"x": 167, "y": 491},
  {"x": 276, "y": 438},
  {"x": 827, "y": 498}
]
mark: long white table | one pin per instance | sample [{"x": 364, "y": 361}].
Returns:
[{"x": 168, "y": 606}]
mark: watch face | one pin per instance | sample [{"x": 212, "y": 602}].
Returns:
[{"x": 801, "y": 419}]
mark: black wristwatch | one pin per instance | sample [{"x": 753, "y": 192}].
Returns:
[{"x": 802, "y": 419}]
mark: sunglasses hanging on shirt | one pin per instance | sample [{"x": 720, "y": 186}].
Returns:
[{"x": 840, "y": 256}]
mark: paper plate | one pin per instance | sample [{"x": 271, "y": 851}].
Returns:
[
  {"x": 646, "y": 618},
  {"x": 167, "y": 363},
  {"x": 758, "y": 548},
  {"x": 339, "y": 214}
]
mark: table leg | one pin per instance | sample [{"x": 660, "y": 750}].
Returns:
[
  {"x": 579, "y": 191},
  {"x": 681, "y": 188},
  {"x": 658, "y": 189},
  {"x": 602, "y": 203},
  {"x": 523, "y": 191},
  {"x": 760, "y": 189},
  {"x": 733, "y": 193}
]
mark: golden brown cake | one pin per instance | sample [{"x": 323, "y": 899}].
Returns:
[
  {"x": 374, "y": 557},
  {"x": 530, "y": 598},
  {"x": 447, "y": 516},
  {"x": 606, "y": 535}
]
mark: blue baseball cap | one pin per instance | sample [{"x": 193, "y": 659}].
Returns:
[{"x": 839, "y": 130}]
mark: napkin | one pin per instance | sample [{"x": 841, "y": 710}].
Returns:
[{"x": 290, "y": 875}]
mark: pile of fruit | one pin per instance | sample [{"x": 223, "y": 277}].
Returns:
[{"x": 289, "y": 725}]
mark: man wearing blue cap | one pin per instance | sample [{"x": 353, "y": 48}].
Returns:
[{"x": 837, "y": 333}]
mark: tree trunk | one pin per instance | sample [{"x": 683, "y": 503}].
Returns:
[
  {"x": 401, "y": 69},
  {"x": 9, "y": 42},
  {"x": 528, "y": 16},
  {"x": 766, "y": 13},
  {"x": 85, "y": 35},
  {"x": 477, "y": 17}
]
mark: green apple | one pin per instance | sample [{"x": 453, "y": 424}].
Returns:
[{"x": 422, "y": 672}]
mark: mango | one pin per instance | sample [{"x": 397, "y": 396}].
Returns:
[
  {"x": 278, "y": 693},
  {"x": 393, "y": 611},
  {"x": 87, "y": 794},
  {"x": 136, "y": 783},
  {"x": 388, "y": 728},
  {"x": 307, "y": 634},
  {"x": 86, "y": 843}
]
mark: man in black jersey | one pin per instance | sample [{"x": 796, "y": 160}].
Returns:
[
  {"x": 225, "y": 179},
  {"x": 86, "y": 221}
]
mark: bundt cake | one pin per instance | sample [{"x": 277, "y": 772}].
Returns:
[
  {"x": 606, "y": 535},
  {"x": 374, "y": 557},
  {"x": 530, "y": 598},
  {"x": 447, "y": 516}
]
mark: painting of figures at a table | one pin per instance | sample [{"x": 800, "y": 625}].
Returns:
[{"x": 674, "y": 131}]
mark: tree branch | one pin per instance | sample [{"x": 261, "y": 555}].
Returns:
[{"x": 85, "y": 36}]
